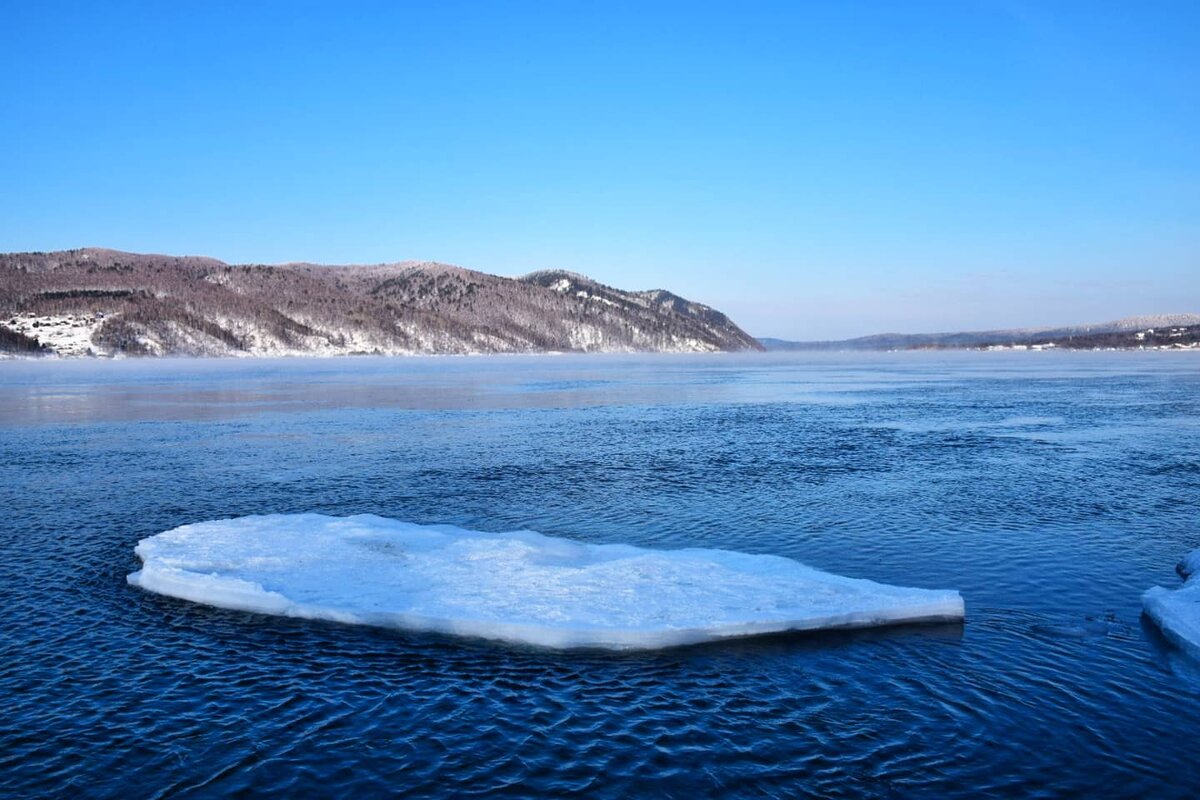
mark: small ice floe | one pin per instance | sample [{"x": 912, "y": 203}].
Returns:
[
  {"x": 515, "y": 587},
  {"x": 1177, "y": 612}
]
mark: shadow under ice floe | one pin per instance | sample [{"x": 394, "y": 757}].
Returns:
[
  {"x": 516, "y": 587},
  {"x": 1177, "y": 612}
]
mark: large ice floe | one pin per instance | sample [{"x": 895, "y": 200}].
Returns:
[
  {"x": 1177, "y": 612},
  {"x": 516, "y": 587}
]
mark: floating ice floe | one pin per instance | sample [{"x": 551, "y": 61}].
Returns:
[
  {"x": 515, "y": 587},
  {"x": 1177, "y": 612}
]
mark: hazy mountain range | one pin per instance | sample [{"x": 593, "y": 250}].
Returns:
[
  {"x": 1116, "y": 333},
  {"x": 105, "y": 302}
]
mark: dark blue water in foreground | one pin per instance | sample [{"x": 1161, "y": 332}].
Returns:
[{"x": 1050, "y": 488}]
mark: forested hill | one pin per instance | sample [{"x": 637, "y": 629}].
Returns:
[
  {"x": 106, "y": 302},
  {"x": 1173, "y": 331}
]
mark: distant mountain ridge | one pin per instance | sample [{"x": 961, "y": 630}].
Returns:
[
  {"x": 95, "y": 301},
  {"x": 1014, "y": 336}
]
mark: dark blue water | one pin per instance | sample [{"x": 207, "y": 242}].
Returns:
[{"x": 1051, "y": 489}]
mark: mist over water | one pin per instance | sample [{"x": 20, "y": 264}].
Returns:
[{"x": 1051, "y": 489}]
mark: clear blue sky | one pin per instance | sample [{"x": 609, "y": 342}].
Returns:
[{"x": 814, "y": 169}]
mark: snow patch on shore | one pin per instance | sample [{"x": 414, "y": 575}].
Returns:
[
  {"x": 65, "y": 334},
  {"x": 519, "y": 586}
]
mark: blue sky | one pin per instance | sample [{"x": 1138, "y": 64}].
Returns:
[{"x": 816, "y": 170}]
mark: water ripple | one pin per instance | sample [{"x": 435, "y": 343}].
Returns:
[{"x": 1051, "y": 495}]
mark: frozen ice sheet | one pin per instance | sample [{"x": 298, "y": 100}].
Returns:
[
  {"x": 1177, "y": 612},
  {"x": 519, "y": 586}
]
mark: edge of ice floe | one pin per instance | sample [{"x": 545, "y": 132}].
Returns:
[
  {"x": 237, "y": 595},
  {"x": 1177, "y": 611}
]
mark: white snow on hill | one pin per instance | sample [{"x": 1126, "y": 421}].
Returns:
[
  {"x": 65, "y": 334},
  {"x": 516, "y": 587}
]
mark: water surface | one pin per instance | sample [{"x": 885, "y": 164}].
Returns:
[{"x": 1050, "y": 488}]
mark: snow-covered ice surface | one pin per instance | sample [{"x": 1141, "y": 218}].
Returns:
[
  {"x": 519, "y": 586},
  {"x": 1177, "y": 612}
]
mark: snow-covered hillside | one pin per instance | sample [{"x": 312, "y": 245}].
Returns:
[{"x": 105, "y": 302}]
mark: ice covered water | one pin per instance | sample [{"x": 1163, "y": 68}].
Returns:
[
  {"x": 518, "y": 586},
  {"x": 1177, "y": 612}
]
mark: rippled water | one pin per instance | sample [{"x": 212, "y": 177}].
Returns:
[{"x": 1050, "y": 488}]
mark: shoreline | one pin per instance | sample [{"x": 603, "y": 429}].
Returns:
[{"x": 120, "y": 357}]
